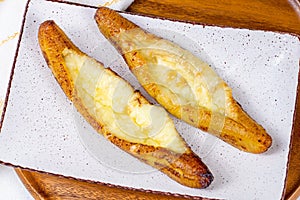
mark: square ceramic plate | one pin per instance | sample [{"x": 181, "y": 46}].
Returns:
[
  {"x": 114, "y": 4},
  {"x": 42, "y": 131}
]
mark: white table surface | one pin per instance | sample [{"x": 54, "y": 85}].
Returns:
[
  {"x": 11, "y": 186},
  {"x": 11, "y": 12}
]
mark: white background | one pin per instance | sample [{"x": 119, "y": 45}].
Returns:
[
  {"x": 11, "y": 186},
  {"x": 11, "y": 12}
]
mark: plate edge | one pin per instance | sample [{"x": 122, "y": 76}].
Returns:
[
  {"x": 14, "y": 65},
  {"x": 170, "y": 194},
  {"x": 295, "y": 116}
]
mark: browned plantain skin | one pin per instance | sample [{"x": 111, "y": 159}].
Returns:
[
  {"x": 239, "y": 129},
  {"x": 187, "y": 168}
]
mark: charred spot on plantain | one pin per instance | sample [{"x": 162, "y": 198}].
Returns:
[
  {"x": 191, "y": 119},
  {"x": 46, "y": 58},
  {"x": 267, "y": 142},
  {"x": 243, "y": 147},
  {"x": 229, "y": 138},
  {"x": 157, "y": 164},
  {"x": 139, "y": 101},
  {"x": 203, "y": 128},
  {"x": 133, "y": 56},
  {"x": 173, "y": 172},
  {"x": 208, "y": 179}
]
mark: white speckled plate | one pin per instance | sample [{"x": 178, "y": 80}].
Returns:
[
  {"x": 114, "y": 4},
  {"x": 40, "y": 131}
]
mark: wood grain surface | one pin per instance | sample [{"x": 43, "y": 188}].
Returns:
[{"x": 274, "y": 15}]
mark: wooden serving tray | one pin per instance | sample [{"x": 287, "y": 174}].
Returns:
[{"x": 273, "y": 15}]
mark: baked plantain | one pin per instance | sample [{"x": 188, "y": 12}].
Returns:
[
  {"x": 186, "y": 86},
  {"x": 118, "y": 112}
]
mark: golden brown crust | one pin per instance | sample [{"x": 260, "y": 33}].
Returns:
[
  {"x": 53, "y": 41},
  {"x": 186, "y": 168},
  {"x": 115, "y": 22},
  {"x": 238, "y": 129}
]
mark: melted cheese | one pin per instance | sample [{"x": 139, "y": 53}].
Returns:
[
  {"x": 181, "y": 82},
  {"x": 113, "y": 102},
  {"x": 189, "y": 80}
]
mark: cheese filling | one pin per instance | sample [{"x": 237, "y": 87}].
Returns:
[
  {"x": 185, "y": 84},
  {"x": 114, "y": 103},
  {"x": 191, "y": 80}
]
